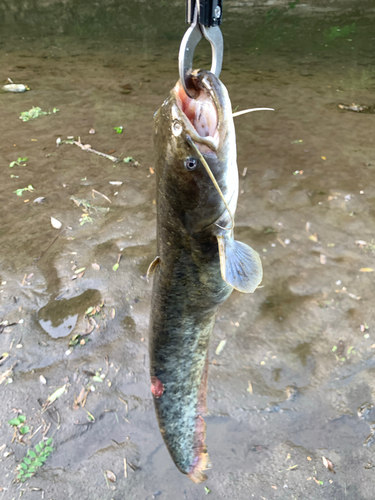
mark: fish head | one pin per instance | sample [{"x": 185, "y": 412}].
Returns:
[{"x": 183, "y": 182}]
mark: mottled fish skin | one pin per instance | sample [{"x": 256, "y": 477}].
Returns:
[{"x": 188, "y": 286}]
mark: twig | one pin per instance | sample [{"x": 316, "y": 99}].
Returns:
[
  {"x": 101, "y": 194},
  {"x": 125, "y": 468},
  {"x": 281, "y": 242},
  {"x": 38, "y": 429},
  {"x": 106, "y": 480},
  {"x": 86, "y": 147},
  {"x": 125, "y": 403},
  {"x": 46, "y": 430},
  {"x": 49, "y": 246},
  {"x": 107, "y": 361}
]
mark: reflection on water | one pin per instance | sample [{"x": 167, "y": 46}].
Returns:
[
  {"x": 61, "y": 329},
  {"x": 59, "y": 317}
]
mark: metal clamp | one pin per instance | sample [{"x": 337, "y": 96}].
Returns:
[{"x": 192, "y": 37}]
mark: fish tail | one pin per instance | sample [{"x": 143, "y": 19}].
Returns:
[{"x": 202, "y": 460}]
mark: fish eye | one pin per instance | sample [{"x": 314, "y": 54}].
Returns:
[{"x": 190, "y": 163}]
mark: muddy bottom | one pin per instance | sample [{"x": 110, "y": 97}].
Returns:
[{"x": 295, "y": 379}]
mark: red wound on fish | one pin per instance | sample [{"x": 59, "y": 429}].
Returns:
[{"x": 157, "y": 388}]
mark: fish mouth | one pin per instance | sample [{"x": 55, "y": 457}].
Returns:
[{"x": 204, "y": 117}]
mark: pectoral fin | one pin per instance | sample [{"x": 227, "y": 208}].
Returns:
[
  {"x": 240, "y": 265},
  {"x": 152, "y": 267}
]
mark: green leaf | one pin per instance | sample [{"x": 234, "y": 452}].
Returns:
[
  {"x": 116, "y": 266},
  {"x": 128, "y": 159},
  {"x": 31, "y": 454},
  {"x": 25, "y": 429},
  {"x": 207, "y": 490},
  {"x": 27, "y": 460},
  {"x": 89, "y": 310},
  {"x": 118, "y": 129},
  {"x": 49, "y": 449},
  {"x": 24, "y": 466},
  {"x": 334, "y": 348},
  {"x": 49, "y": 441},
  {"x": 28, "y": 475},
  {"x": 38, "y": 463},
  {"x": 41, "y": 444},
  {"x": 22, "y": 159},
  {"x": 21, "y": 418},
  {"x": 97, "y": 379},
  {"x": 14, "y": 421},
  {"x": 11, "y": 165},
  {"x": 32, "y": 469},
  {"x": 37, "y": 448},
  {"x": 21, "y": 472}
]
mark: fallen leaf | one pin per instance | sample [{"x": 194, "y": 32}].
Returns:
[
  {"x": 313, "y": 237},
  {"x": 42, "y": 380},
  {"x": 323, "y": 259},
  {"x": 92, "y": 131},
  {"x": 292, "y": 467},
  {"x": 116, "y": 266},
  {"x": 56, "y": 223},
  {"x": 112, "y": 313},
  {"x": 116, "y": 183},
  {"x": 221, "y": 346},
  {"x": 323, "y": 157},
  {"x": 309, "y": 458},
  {"x": 78, "y": 271},
  {"x": 318, "y": 482},
  {"x": 327, "y": 463},
  {"x": 274, "y": 487},
  {"x": 58, "y": 393},
  {"x": 5, "y": 375},
  {"x": 250, "y": 388},
  {"x": 95, "y": 266},
  {"x": 110, "y": 475},
  {"x": 366, "y": 270}
]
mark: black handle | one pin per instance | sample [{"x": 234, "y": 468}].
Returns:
[{"x": 211, "y": 12}]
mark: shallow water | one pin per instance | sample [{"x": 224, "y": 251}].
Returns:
[{"x": 297, "y": 366}]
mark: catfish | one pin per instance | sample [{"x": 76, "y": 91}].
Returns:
[{"x": 198, "y": 262}]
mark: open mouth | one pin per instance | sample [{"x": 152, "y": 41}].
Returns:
[{"x": 200, "y": 117}]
